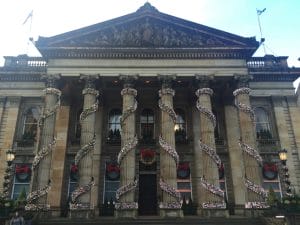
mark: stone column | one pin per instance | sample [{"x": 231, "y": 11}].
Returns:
[
  {"x": 209, "y": 194},
  {"x": 170, "y": 198},
  {"x": 255, "y": 194},
  {"x": 127, "y": 205},
  {"x": 81, "y": 197},
  {"x": 38, "y": 198}
]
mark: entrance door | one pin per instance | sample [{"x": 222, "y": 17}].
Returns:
[{"x": 147, "y": 194}]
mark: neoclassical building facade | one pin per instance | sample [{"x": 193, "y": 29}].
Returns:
[{"x": 146, "y": 113}]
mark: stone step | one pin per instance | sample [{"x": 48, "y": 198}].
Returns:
[{"x": 154, "y": 221}]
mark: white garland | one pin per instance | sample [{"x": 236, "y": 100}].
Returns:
[
  {"x": 169, "y": 149},
  {"x": 170, "y": 205},
  {"x": 84, "y": 150},
  {"x": 212, "y": 188},
  {"x": 256, "y": 205},
  {"x": 74, "y": 204},
  {"x": 166, "y": 91},
  {"x": 126, "y": 205},
  {"x": 130, "y": 145},
  {"x": 214, "y": 205},
  {"x": 207, "y": 112},
  {"x": 243, "y": 90},
  {"x": 41, "y": 154},
  {"x": 168, "y": 110},
  {"x": 202, "y": 91},
  {"x": 251, "y": 151},
  {"x": 256, "y": 188},
  {"x": 247, "y": 109},
  {"x": 126, "y": 188},
  {"x": 34, "y": 195},
  {"x": 170, "y": 190},
  {"x": 126, "y": 113},
  {"x": 49, "y": 112},
  {"x": 91, "y": 91},
  {"x": 211, "y": 152},
  {"x": 129, "y": 91},
  {"x": 88, "y": 111}
]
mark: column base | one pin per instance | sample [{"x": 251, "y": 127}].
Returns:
[
  {"x": 213, "y": 212},
  {"x": 171, "y": 213},
  {"x": 82, "y": 214},
  {"x": 129, "y": 213}
]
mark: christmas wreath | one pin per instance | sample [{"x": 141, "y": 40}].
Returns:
[
  {"x": 183, "y": 170},
  {"x": 147, "y": 156},
  {"x": 221, "y": 171},
  {"x": 74, "y": 173},
  {"x": 23, "y": 173},
  {"x": 112, "y": 171},
  {"x": 270, "y": 171}
]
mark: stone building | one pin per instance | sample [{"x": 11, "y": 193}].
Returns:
[{"x": 148, "y": 111}]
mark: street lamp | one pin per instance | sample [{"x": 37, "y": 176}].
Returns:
[
  {"x": 283, "y": 158},
  {"x": 10, "y": 156}
]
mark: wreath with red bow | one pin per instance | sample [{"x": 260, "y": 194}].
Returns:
[
  {"x": 221, "y": 171},
  {"x": 183, "y": 170},
  {"x": 147, "y": 156},
  {"x": 74, "y": 176},
  {"x": 112, "y": 171},
  {"x": 270, "y": 171},
  {"x": 23, "y": 172}
]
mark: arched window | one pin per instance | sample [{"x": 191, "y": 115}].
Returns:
[
  {"x": 263, "y": 128},
  {"x": 114, "y": 125},
  {"x": 30, "y": 124},
  {"x": 180, "y": 126},
  {"x": 147, "y": 124}
]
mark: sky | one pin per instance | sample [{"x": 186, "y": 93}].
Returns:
[{"x": 280, "y": 21}]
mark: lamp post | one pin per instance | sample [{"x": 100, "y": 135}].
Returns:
[
  {"x": 283, "y": 158},
  {"x": 10, "y": 156}
]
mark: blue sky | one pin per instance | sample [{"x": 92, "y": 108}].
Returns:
[{"x": 280, "y": 22}]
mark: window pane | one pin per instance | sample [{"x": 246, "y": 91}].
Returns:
[{"x": 18, "y": 188}]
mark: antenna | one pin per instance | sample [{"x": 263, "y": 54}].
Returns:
[{"x": 259, "y": 12}]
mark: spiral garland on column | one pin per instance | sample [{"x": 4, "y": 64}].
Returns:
[
  {"x": 243, "y": 107},
  {"x": 258, "y": 190},
  {"x": 251, "y": 151},
  {"x": 49, "y": 112},
  {"x": 129, "y": 145},
  {"x": 32, "y": 196},
  {"x": 43, "y": 153},
  {"x": 169, "y": 149},
  {"x": 84, "y": 150},
  {"x": 75, "y": 204},
  {"x": 172, "y": 192},
  {"x": 211, "y": 152}
]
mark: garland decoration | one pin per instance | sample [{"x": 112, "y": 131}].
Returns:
[
  {"x": 212, "y": 188},
  {"x": 211, "y": 152},
  {"x": 256, "y": 188},
  {"x": 214, "y": 205},
  {"x": 49, "y": 112},
  {"x": 172, "y": 192},
  {"x": 168, "y": 110},
  {"x": 270, "y": 171},
  {"x": 112, "y": 171},
  {"x": 130, "y": 145},
  {"x": 243, "y": 107},
  {"x": 147, "y": 156},
  {"x": 32, "y": 196},
  {"x": 122, "y": 191},
  {"x": 75, "y": 204},
  {"x": 205, "y": 111},
  {"x": 169, "y": 149},
  {"x": 256, "y": 205},
  {"x": 23, "y": 172},
  {"x": 84, "y": 150},
  {"x": 127, "y": 112},
  {"x": 183, "y": 170},
  {"x": 251, "y": 151},
  {"x": 43, "y": 153},
  {"x": 87, "y": 111}
]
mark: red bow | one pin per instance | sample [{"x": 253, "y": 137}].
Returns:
[
  {"x": 270, "y": 167},
  {"x": 183, "y": 166},
  {"x": 112, "y": 168},
  {"x": 23, "y": 169},
  {"x": 74, "y": 168},
  {"x": 147, "y": 153}
]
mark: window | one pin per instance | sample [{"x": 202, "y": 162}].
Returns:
[
  {"x": 180, "y": 126},
  {"x": 73, "y": 179},
  {"x": 30, "y": 124},
  {"x": 184, "y": 181},
  {"x": 263, "y": 128},
  {"x": 147, "y": 125},
  {"x": 271, "y": 178},
  {"x": 111, "y": 181},
  {"x": 114, "y": 125},
  {"x": 21, "y": 182}
]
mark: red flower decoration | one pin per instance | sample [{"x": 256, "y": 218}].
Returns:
[
  {"x": 74, "y": 168},
  {"x": 112, "y": 168},
  {"x": 183, "y": 170},
  {"x": 22, "y": 169},
  {"x": 270, "y": 171},
  {"x": 147, "y": 156}
]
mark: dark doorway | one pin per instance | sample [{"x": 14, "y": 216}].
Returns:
[{"x": 147, "y": 194}]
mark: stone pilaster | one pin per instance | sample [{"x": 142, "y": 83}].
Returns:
[
  {"x": 169, "y": 205},
  {"x": 209, "y": 194},
  {"x": 81, "y": 197},
  {"x": 38, "y": 198},
  {"x": 126, "y": 205},
  {"x": 255, "y": 194}
]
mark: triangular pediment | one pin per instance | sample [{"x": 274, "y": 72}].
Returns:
[{"x": 146, "y": 28}]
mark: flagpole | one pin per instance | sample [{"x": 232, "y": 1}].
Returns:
[{"x": 259, "y": 12}]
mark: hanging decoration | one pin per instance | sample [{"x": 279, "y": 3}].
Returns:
[
  {"x": 43, "y": 153},
  {"x": 270, "y": 171},
  {"x": 183, "y": 170},
  {"x": 147, "y": 156},
  {"x": 172, "y": 192},
  {"x": 251, "y": 151},
  {"x": 33, "y": 196},
  {"x": 243, "y": 107},
  {"x": 169, "y": 149},
  {"x": 49, "y": 112},
  {"x": 75, "y": 203},
  {"x": 112, "y": 171},
  {"x": 131, "y": 109},
  {"x": 211, "y": 152},
  {"x": 168, "y": 110},
  {"x": 122, "y": 191},
  {"x": 130, "y": 145},
  {"x": 256, "y": 188},
  {"x": 84, "y": 150},
  {"x": 74, "y": 176},
  {"x": 256, "y": 205},
  {"x": 23, "y": 173}
]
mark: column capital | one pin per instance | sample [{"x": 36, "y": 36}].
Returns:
[
  {"x": 242, "y": 80},
  {"x": 166, "y": 79},
  {"x": 51, "y": 80},
  {"x": 128, "y": 79},
  {"x": 89, "y": 80},
  {"x": 203, "y": 81}
]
